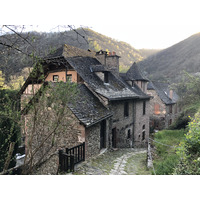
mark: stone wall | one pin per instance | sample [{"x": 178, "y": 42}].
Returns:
[
  {"x": 161, "y": 120},
  {"x": 92, "y": 139},
  {"x": 157, "y": 120},
  {"x": 92, "y": 142},
  {"x": 48, "y": 138},
  {"x": 170, "y": 116},
  {"x": 141, "y": 125},
  {"x": 123, "y": 124}
]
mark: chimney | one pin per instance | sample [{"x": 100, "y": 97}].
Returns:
[
  {"x": 171, "y": 94},
  {"x": 101, "y": 57},
  {"x": 112, "y": 61}
]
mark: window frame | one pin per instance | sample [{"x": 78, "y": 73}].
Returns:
[
  {"x": 126, "y": 109},
  {"x": 144, "y": 107},
  {"x": 69, "y": 77},
  {"x": 54, "y": 78}
]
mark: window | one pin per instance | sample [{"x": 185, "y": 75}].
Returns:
[
  {"x": 156, "y": 109},
  {"x": 144, "y": 107},
  {"x": 55, "y": 78},
  {"x": 143, "y": 135},
  {"x": 69, "y": 77},
  {"x": 129, "y": 134},
  {"x": 105, "y": 77},
  {"x": 143, "y": 132},
  {"x": 126, "y": 109},
  {"x": 170, "y": 109}
]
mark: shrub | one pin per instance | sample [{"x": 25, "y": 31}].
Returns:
[
  {"x": 9, "y": 129},
  {"x": 189, "y": 150}
]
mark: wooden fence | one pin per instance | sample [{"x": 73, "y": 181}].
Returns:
[{"x": 71, "y": 157}]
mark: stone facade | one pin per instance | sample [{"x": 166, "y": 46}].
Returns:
[
  {"x": 46, "y": 137},
  {"x": 131, "y": 129},
  {"x": 141, "y": 125},
  {"x": 122, "y": 123},
  {"x": 161, "y": 114},
  {"x": 69, "y": 133},
  {"x": 92, "y": 139}
]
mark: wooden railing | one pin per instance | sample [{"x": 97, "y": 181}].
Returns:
[{"x": 71, "y": 157}]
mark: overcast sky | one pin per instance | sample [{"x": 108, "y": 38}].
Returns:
[{"x": 141, "y": 23}]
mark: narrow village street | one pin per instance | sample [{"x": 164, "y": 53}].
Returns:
[{"x": 116, "y": 162}]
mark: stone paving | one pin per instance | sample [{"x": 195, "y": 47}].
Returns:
[{"x": 116, "y": 162}]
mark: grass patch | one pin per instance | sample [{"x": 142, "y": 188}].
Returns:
[
  {"x": 137, "y": 165},
  {"x": 165, "y": 157}
]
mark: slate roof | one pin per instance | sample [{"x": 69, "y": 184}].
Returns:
[
  {"x": 116, "y": 89},
  {"x": 86, "y": 64},
  {"x": 87, "y": 108},
  {"x": 135, "y": 74},
  {"x": 98, "y": 68},
  {"x": 70, "y": 51},
  {"x": 163, "y": 91}
]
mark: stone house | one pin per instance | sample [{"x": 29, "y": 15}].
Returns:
[
  {"x": 163, "y": 107},
  {"x": 116, "y": 109},
  {"x": 135, "y": 79}
]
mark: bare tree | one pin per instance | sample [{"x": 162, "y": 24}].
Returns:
[{"x": 46, "y": 121}]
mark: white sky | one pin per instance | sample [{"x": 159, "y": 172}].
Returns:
[{"x": 141, "y": 23}]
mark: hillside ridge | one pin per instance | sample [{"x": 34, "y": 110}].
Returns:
[
  {"x": 169, "y": 63},
  {"x": 14, "y": 62}
]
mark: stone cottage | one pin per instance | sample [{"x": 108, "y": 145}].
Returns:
[
  {"x": 163, "y": 107},
  {"x": 135, "y": 79},
  {"x": 115, "y": 112}
]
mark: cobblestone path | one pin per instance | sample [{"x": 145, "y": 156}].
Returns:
[{"x": 116, "y": 162}]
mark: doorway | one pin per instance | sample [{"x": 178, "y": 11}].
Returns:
[
  {"x": 103, "y": 134},
  {"x": 114, "y": 138}
]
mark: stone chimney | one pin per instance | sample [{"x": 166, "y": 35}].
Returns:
[
  {"x": 112, "y": 61},
  {"x": 101, "y": 57},
  {"x": 171, "y": 94}
]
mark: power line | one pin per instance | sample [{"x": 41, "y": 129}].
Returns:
[{"x": 162, "y": 143}]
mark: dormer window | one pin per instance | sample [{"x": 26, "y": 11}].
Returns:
[
  {"x": 55, "y": 78},
  {"x": 106, "y": 77}
]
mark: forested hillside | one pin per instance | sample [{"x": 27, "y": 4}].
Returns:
[
  {"x": 168, "y": 64},
  {"x": 15, "y": 64}
]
